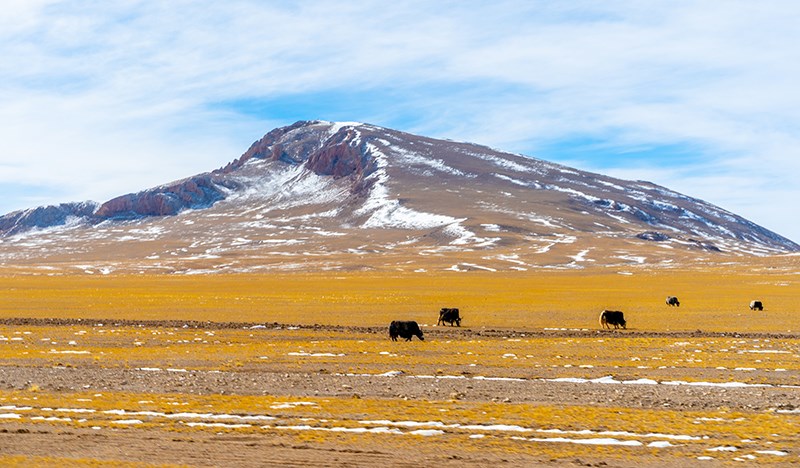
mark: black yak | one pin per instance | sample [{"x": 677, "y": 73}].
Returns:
[
  {"x": 404, "y": 329},
  {"x": 448, "y": 315},
  {"x": 612, "y": 317},
  {"x": 673, "y": 301}
]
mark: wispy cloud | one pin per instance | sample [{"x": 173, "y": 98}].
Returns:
[{"x": 101, "y": 98}]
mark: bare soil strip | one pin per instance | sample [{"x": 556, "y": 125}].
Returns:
[
  {"x": 164, "y": 392},
  {"x": 302, "y": 384},
  {"x": 443, "y": 331}
]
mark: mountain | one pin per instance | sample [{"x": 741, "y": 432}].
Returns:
[{"x": 335, "y": 196}]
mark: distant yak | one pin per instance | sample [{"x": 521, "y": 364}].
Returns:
[
  {"x": 448, "y": 315},
  {"x": 612, "y": 317},
  {"x": 756, "y": 305},
  {"x": 673, "y": 301},
  {"x": 404, "y": 329}
]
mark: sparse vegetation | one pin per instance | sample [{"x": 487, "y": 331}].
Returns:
[
  {"x": 345, "y": 384},
  {"x": 712, "y": 299}
]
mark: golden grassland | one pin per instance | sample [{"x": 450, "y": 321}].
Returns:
[
  {"x": 727, "y": 358},
  {"x": 316, "y": 419},
  {"x": 311, "y": 419},
  {"x": 715, "y": 299}
]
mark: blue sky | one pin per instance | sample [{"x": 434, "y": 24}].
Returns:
[{"x": 104, "y": 98}]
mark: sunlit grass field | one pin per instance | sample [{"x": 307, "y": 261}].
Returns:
[
  {"x": 472, "y": 427},
  {"x": 712, "y": 300},
  {"x": 721, "y": 359},
  {"x": 515, "y": 308}
]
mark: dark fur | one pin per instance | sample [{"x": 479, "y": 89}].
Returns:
[
  {"x": 404, "y": 329},
  {"x": 451, "y": 316},
  {"x": 612, "y": 317},
  {"x": 673, "y": 301},
  {"x": 756, "y": 305}
]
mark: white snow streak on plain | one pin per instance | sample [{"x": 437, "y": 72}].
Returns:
[
  {"x": 219, "y": 425},
  {"x": 580, "y": 256},
  {"x": 415, "y": 428},
  {"x": 314, "y": 354},
  {"x": 515, "y": 428},
  {"x": 777, "y": 453},
  {"x": 601, "y": 380},
  {"x": 629, "y": 443}
]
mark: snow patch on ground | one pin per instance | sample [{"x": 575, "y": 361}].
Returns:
[
  {"x": 581, "y": 256},
  {"x": 599, "y": 441},
  {"x": 632, "y": 258},
  {"x": 461, "y": 267},
  {"x": 611, "y": 380},
  {"x": 303, "y": 353},
  {"x": 464, "y": 236}
]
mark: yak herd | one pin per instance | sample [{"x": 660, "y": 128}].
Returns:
[
  {"x": 615, "y": 318},
  {"x": 408, "y": 329}
]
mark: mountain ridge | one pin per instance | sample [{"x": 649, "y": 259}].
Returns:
[{"x": 385, "y": 187}]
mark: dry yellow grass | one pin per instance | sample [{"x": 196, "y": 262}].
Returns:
[
  {"x": 688, "y": 358},
  {"x": 711, "y": 300},
  {"x": 503, "y": 428},
  {"x": 714, "y": 299}
]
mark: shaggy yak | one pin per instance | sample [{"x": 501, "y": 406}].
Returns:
[
  {"x": 612, "y": 317},
  {"x": 404, "y": 329}
]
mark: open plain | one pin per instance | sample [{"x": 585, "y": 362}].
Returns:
[{"x": 298, "y": 369}]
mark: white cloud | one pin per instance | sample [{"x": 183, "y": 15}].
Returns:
[{"x": 104, "y": 98}]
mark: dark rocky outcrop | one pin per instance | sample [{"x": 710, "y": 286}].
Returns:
[
  {"x": 340, "y": 158},
  {"x": 327, "y": 156},
  {"x": 193, "y": 193},
  {"x": 273, "y": 146},
  {"x": 653, "y": 236},
  {"x": 300, "y": 143},
  {"x": 45, "y": 216}
]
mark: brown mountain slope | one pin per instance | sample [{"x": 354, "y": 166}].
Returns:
[{"x": 321, "y": 195}]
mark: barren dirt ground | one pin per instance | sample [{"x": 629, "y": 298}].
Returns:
[{"x": 247, "y": 394}]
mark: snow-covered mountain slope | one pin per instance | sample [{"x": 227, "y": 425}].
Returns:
[{"x": 322, "y": 195}]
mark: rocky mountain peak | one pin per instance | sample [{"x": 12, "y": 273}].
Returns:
[{"x": 348, "y": 189}]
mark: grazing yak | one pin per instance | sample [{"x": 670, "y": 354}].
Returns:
[
  {"x": 673, "y": 301},
  {"x": 612, "y": 317},
  {"x": 451, "y": 316},
  {"x": 756, "y": 305},
  {"x": 405, "y": 329}
]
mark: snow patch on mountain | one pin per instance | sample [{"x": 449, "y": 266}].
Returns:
[
  {"x": 386, "y": 212},
  {"x": 464, "y": 236},
  {"x": 573, "y": 192},
  {"x": 410, "y": 158},
  {"x": 521, "y": 183},
  {"x": 611, "y": 185},
  {"x": 336, "y": 126},
  {"x": 304, "y": 193},
  {"x": 279, "y": 186},
  {"x": 499, "y": 162}
]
